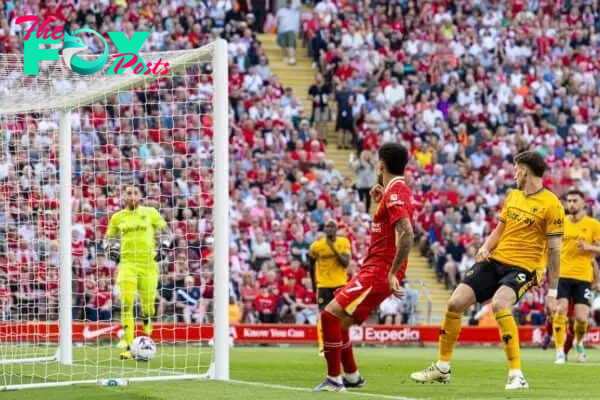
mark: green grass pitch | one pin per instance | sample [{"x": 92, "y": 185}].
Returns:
[{"x": 261, "y": 373}]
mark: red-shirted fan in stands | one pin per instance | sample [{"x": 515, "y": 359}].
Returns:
[{"x": 381, "y": 273}]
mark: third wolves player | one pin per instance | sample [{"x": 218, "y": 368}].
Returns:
[
  {"x": 380, "y": 274},
  {"x": 329, "y": 257},
  {"x": 580, "y": 246},
  {"x": 508, "y": 264}
]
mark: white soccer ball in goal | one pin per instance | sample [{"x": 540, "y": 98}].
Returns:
[{"x": 143, "y": 348}]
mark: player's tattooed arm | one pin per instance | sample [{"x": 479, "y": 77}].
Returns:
[
  {"x": 554, "y": 246},
  {"x": 404, "y": 241}
]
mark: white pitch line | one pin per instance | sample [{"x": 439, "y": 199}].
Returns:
[{"x": 301, "y": 389}]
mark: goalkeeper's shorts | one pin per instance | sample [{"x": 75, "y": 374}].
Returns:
[{"x": 133, "y": 273}]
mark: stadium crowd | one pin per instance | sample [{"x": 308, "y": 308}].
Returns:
[
  {"x": 466, "y": 85},
  {"x": 282, "y": 186}
]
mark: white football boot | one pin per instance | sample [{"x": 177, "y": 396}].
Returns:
[
  {"x": 516, "y": 382},
  {"x": 431, "y": 374}
]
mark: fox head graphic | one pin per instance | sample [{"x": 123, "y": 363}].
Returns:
[{"x": 72, "y": 46}]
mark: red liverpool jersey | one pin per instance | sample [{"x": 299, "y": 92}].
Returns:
[{"x": 395, "y": 205}]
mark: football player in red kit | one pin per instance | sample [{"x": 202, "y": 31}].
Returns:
[{"x": 380, "y": 275}]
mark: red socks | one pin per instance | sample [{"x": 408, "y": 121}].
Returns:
[
  {"x": 347, "y": 354},
  {"x": 332, "y": 343},
  {"x": 337, "y": 345},
  {"x": 569, "y": 340}
]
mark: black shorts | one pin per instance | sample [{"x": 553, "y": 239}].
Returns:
[
  {"x": 485, "y": 279},
  {"x": 324, "y": 296},
  {"x": 579, "y": 291}
]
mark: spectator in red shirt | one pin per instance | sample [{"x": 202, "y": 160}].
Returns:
[
  {"x": 532, "y": 310},
  {"x": 289, "y": 292},
  {"x": 295, "y": 271},
  {"x": 265, "y": 305},
  {"x": 99, "y": 301},
  {"x": 306, "y": 305}
]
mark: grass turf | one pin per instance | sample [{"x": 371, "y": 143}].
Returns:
[{"x": 478, "y": 373}]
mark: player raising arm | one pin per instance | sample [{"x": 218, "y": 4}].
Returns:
[
  {"x": 580, "y": 246},
  {"x": 380, "y": 275},
  {"x": 507, "y": 265},
  {"x": 136, "y": 226}
]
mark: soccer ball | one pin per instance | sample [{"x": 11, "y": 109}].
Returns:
[{"x": 143, "y": 348}]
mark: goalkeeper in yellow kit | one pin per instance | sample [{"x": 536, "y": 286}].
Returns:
[{"x": 136, "y": 255}]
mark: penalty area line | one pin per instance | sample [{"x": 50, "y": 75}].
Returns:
[{"x": 301, "y": 389}]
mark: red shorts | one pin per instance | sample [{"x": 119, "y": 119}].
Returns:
[{"x": 364, "y": 293}]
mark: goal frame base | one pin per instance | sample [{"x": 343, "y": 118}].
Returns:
[
  {"x": 210, "y": 375},
  {"x": 44, "y": 385}
]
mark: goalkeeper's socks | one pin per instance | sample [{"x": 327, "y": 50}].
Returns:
[
  {"x": 147, "y": 322},
  {"x": 332, "y": 343}
]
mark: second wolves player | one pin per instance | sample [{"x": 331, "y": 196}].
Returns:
[
  {"x": 580, "y": 246},
  {"x": 380, "y": 274}
]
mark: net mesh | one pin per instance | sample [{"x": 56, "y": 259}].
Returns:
[
  {"x": 56, "y": 86},
  {"x": 152, "y": 131}
]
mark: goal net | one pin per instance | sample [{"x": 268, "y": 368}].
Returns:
[{"x": 70, "y": 145}]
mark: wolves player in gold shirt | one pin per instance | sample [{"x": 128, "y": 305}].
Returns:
[
  {"x": 329, "y": 257},
  {"x": 580, "y": 246},
  {"x": 507, "y": 265}
]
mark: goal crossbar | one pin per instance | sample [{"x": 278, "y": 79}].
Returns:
[{"x": 39, "y": 92}]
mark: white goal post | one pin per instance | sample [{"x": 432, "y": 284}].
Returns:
[{"x": 31, "y": 341}]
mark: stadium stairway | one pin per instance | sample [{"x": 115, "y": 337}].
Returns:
[
  {"x": 423, "y": 278},
  {"x": 299, "y": 77}
]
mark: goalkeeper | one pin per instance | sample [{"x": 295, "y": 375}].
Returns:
[{"x": 135, "y": 253}]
